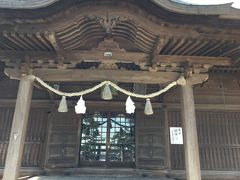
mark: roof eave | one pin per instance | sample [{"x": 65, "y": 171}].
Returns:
[{"x": 224, "y": 11}]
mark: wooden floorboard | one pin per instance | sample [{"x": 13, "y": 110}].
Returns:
[
  {"x": 208, "y": 175},
  {"x": 95, "y": 178},
  {"x": 35, "y": 174}
]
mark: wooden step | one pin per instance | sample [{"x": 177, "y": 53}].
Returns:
[{"x": 96, "y": 178}]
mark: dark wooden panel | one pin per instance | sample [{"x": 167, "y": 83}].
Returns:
[
  {"x": 219, "y": 89},
  {"x": 176, "y": 151},
  {"x": 63, "y": 140},
  {"x": 150, "y": 140},
  {"x": 8, "y": 89},
  {"x": 33, "y": 155},
  {"x": 35, "y": 140},
  {"x": 219, "y": 140},
  {"x": 6, "y": 116}
]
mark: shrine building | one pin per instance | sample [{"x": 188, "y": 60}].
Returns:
[{"x": 130, "y": 89}]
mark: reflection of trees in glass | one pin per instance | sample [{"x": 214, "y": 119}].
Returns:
[
  {"x": 90, "y": 141},
  {"x": 95, "y": 136},
  {"x": 122, "y": 142}
]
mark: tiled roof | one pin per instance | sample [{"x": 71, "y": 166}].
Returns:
[
  {"x": 224, "y": 11},
  {"x": 25, "y": 4}
]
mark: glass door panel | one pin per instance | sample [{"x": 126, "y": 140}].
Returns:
[
  {"x": 94, "y": 137},
  {"x": 107, "y": 138},
  {"x": 122, "y": 146}
]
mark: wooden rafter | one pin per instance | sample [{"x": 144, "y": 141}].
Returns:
[
  {"x": 139, "y": 17},
  {"x": 237, "y": 62},
  {"x": 78, "y": 38},
  {"x": 160, "y": 42},
  {"x": 57, "y": 47}
]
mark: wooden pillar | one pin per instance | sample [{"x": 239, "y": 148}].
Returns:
[
  {"x": 191, "y": 148},
  {"x": 19, "y": 129}
]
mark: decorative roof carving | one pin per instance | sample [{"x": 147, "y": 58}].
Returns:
[
  {"x": 225, "y": 11},
  {"x": 108, "y": 22}
]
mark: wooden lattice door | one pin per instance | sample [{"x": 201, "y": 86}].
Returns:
[
  {"x": 107, "y": 139},
  {"x": 63, "y": 140},
  {"x": 150, "y": 140}
]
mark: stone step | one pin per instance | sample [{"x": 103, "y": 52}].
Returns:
[{"x": 96, "y": 178}]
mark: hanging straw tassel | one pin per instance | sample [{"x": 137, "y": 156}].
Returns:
[
  {"x": 148, "y": 107},
  {"x": 63, "y": 105},
  {"x": 130, "y": 107},
  {"x": 80, "y": 108},
  {"x": 106, "y": 93}
]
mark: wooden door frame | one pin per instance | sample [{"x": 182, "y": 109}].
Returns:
[
  {"x": 107, "y": 162},
  {"x": 50, "y": 125}
]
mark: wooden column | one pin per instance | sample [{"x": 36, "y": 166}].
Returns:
[
  {"x": 192, "y": 161},
  {"x": 19, "y": 129}
]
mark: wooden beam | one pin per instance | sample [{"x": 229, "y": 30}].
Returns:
[
  {"x": 191, "y": 148},
  {"x": 138, "y": 58},
  {"x": 125, "y": 76},
  {"x": 51, "y": 36},
  {"x": 237, "y": 61},
  {"x": 160, "y": 42},
  {"x": 218, "y": 61},
  {"x": 101, "y": 75},
  {"x": 19, "y": 129},
  {"x": 77, "y": 75},
  {"x": 36, "y": 54}
]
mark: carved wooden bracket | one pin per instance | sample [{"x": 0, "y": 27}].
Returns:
[
  {"x": 197, "y": 78},
  {"x": 51, "y": 36},
  {"x": 159, "y": 44},
  {"x": 192, "y": 77},
  {"x": 108, "y": 22}
]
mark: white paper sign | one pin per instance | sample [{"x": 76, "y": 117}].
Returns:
[{"x": 176, "y": 135}]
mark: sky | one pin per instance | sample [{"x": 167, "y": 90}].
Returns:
[{"x": 236, "y": 3}]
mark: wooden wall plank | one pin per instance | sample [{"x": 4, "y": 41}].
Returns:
[
  {"x": 6, "y": 116},
  {"x": 36, "y": 136},
  {"x": 219, "y": 140},
  {"x": 150, "y": 140},
  {"x": 33, "y": 154},
  {"x": 62, "y": 145}
]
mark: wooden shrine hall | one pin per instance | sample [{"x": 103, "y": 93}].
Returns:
[{"x": 142, "y": 47}]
